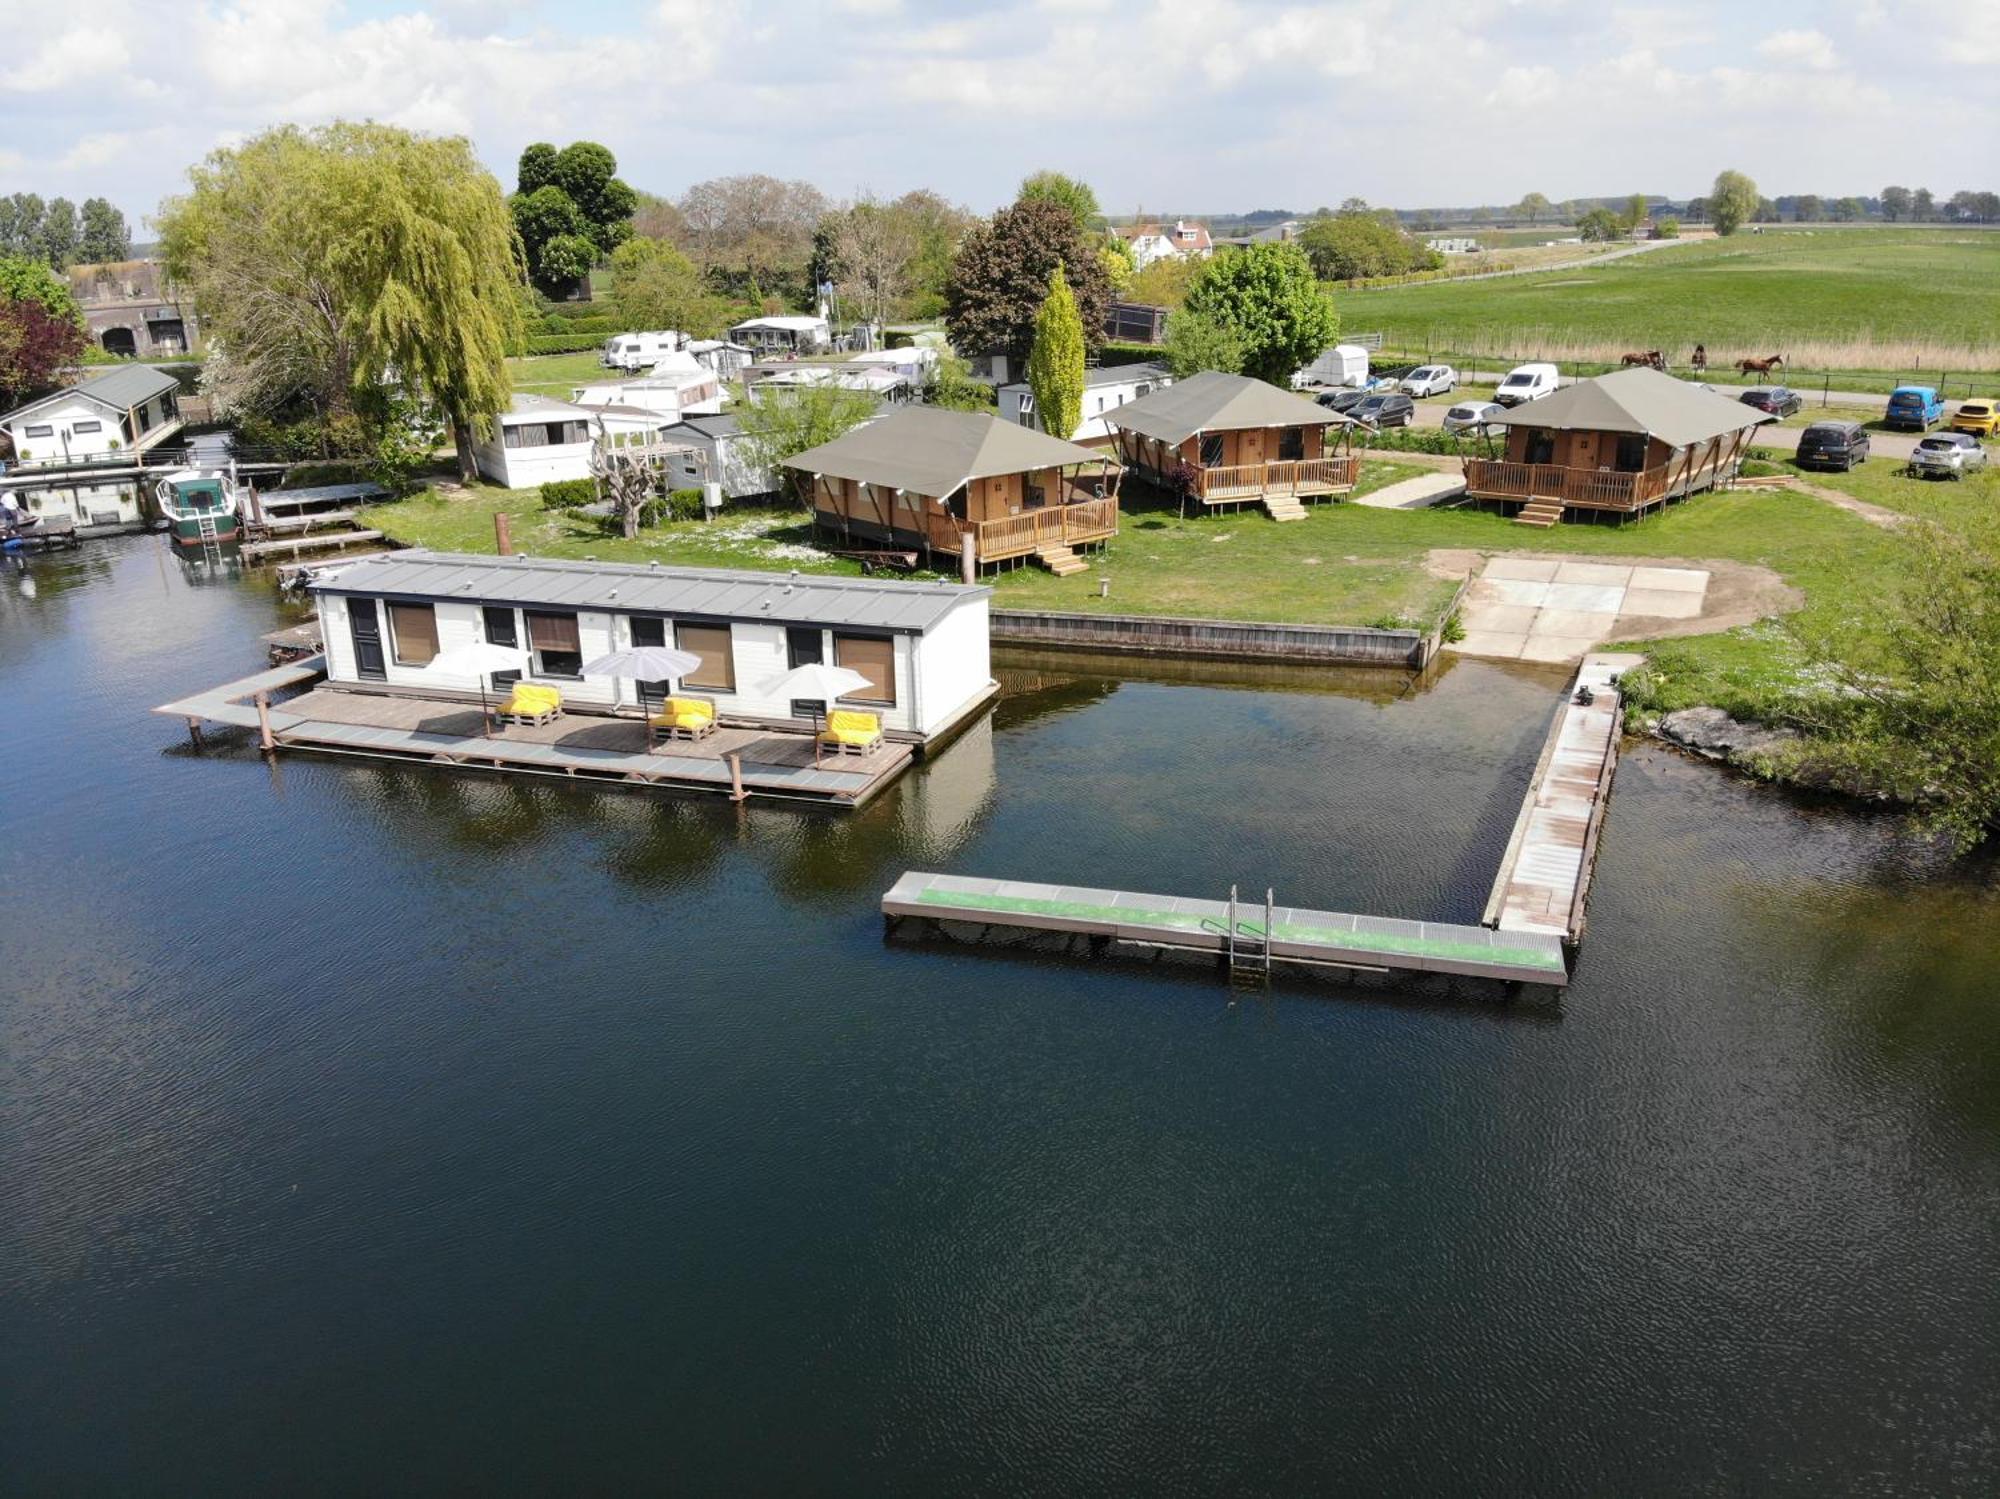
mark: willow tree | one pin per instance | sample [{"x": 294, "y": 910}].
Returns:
[
  {"x": 338, "y": 264},
  {"x": 1055, "y": 364}
]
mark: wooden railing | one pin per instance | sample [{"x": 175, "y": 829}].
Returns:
[
  {"x": 1286, "y": 476},
  {"x": 1593, "y": 488},
  {"x": 1048, "y": 525}
]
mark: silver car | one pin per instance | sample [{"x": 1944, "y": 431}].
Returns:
[
  {"x": 1430, "y": 380},
  {"x": 1951, "y": 455},
  {"x": 1472, "y": 416}
]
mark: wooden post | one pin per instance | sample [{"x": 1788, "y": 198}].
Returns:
[
  {"x": 736, "y": 791},
  {"x": 503, "y": 541},
  {"x": 265, "y": 740},
  {"x": 194, "y": 731},
  {"x": 968, "y": 556}
]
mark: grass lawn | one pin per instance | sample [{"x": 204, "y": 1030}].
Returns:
[
  {"x": 555, "y": 374},
  {"x": 1860, "y": 301}
]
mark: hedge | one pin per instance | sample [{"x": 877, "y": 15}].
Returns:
[
  {"x": 563, "y": 343},
  {"x": 568, "y": 494},
  {"x": 1110, "y": 354}
]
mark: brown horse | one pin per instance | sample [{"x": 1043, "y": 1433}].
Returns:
[
  {"x": 1652, "y": 358},
  {"x": 1759, "y": 366}
]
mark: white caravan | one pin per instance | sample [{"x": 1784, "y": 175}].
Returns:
[{"x": 637, "y": 351}]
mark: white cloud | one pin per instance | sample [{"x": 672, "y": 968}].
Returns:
[
  {"x": 1800, "y": 49},
  {"x": 67, "y": 59}
]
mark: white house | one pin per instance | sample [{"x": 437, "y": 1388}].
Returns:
[
  {"x": 720, "y": 355},
  {"x": 720, "y": 451},
  {"x": 677, "y": 387},
  {"x": 1104, "y": 389},
  {"x": 1456, "y": 245},
  {"x": 789, "y": 334},
  {"x": 537, "y": 440},
  {"x": 922, "y": 646},
  {"x": 1151, "y": 242},
  {"x": 104, "y": 420}
]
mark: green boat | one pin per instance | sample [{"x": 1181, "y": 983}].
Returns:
[{"x": 199, "y": 506}]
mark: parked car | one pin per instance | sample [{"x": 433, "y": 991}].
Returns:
[
  {"x": 1833, "y": 445},
  {"x": 1385, "y": 409},
  {"x": 1527, "y": 382},
  {"x": 1949, "y": 455},
  {"x": 1342, "y": 401},
  {"x": 1980, "y": 418},
  {"x": 1779, "y": 400},
  {"x": 1430, "y": 380},
  {"x": 1914, "y": 408},
  {"x": 1471, "y": 416}
]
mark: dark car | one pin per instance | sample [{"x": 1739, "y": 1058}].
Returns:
[
  {"x": 1833, "y": 445},
  {"x": 1387, "y": 409},
  {"x": 1779, "y": 400},
  {"x": 1342, "y": 401}
]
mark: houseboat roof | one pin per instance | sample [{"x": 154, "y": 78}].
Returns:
[
  {"x": 931, "y": 451},
  {"x": 1216, "y": 402},
  {"x": 1637, "y": 400},
  {"x": 117, "y": 390},
  {"x": 644, "y": 588}
]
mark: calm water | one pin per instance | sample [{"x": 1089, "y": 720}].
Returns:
[{"x": 380, "y": 1129}]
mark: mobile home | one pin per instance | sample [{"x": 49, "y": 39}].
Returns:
[
  {"x": 784, "y": 335},
  {"x": 1104, "y": 391},
  {"x": 636, "y": 351},
  {"x": 536, "y": 440}
]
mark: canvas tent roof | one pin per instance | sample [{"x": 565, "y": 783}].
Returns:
[
  {"x": 1637, "y": 400},
  {"x": 1215, "y": 402},
  {"x": 930, "y": 451}
]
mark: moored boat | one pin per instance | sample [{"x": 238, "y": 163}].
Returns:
[{"x": 199, "y": 506}]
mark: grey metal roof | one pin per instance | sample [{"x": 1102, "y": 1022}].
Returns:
[
  {"x": 1637, "y": 400},
  {"x": 642, "y": 588},
  {"x": 1109, "y": 374},
  {"x": 930, "y": 451},
  {"x": 119, "y": 389},
  {"x": 1216, "y": 402},
  {"x": 721, "y": 424}
]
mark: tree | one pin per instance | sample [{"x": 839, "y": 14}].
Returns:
[
  {"x": 1533, "y": 207},
  {"x": 952, "y": 385},
  {"x": 570, "y": 210},
  {"x": 1732, "y": 202},
  {"x": 336, "y": 262},
  {"x": 752, "y": 231},
  {"x": 1635, "y": 211},
  {"x": 1808, "y": 209},
  {"x": 781, "y": 426},
  {"x": 60, "y": 233},
  {"x": 1349, "y": 246},
  {"x": 541, "y": 217},
  {"x": 874, "y": 248},
  {"x": 1599, "y": 225},
  {"x": 41, "y": 328},
  {"x": 1895, "y": 203},
  {"x": 655, "y": 286},
  {"x": 1667, "y": 227},
  {"x": 537, "y": 168},
  {"x": 1923, "y": 206},
  {"x": 1697, "y": 210},
  {"x": 1055, "y": 365},
  {"x": 1197, "y": 342},
  {"x": 1767, "y": 211},
  {"x": 1267, "y": 297},
  {"x": 1847, "y": 210},
  {"x": 1067, "y": 192},
  {"x": 1001, "y": 272},
  {"x": 21, "y": 226},
  {"x": 1119, "y": 267},
  {"x": 105, "y": 236},
  {"x": 657, "y": 218},
  {"x": 1165, "y": 282},
  {"x": 588, "y": 172},
  {"x": 939, "y": 226}
]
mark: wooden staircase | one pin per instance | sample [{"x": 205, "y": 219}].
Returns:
[
  {"x": 1283, "y": 507},
  {"x": 1540, "y": 513},
  {"x": 1060, "y": 559}
]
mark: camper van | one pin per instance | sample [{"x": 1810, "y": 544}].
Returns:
[
  {"x": 638, "y": 351},
  {"x": 1343, "y": 364},
  {"x": 1527, "y": 382}
]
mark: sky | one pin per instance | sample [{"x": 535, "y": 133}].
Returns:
[{"x": 1171, "y": 106}]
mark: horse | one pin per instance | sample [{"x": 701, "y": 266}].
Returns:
[
  {"x": 1759, "y": 366},
  {"x": 1700, "y": 360},
  {"x": 1652, "y": 357}
]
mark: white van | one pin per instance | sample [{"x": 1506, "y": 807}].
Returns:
[
  {"x": 1527, "y": 382},
  {"x": 638, "y": 351}
]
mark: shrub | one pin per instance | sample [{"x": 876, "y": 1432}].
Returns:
[
  {"x": 1419, "y": 440},
  {"x": 568, "y": 494},
  {"x": 333, "y": 471},
  {"x": 679, "y": 504}
]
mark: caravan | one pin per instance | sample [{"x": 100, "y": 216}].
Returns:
[
  {"x": 1343, "y": 364},
  {"x": 637, "y": 351}
]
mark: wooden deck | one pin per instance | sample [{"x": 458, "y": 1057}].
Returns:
[
  {"x": 290, "y": 546},
  {"x": 1545, "y": 874}
]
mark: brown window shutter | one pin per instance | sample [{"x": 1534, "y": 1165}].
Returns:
[
  {"x": 711, "y": 643},
  {"x": 553, "y": 632},
  {"x": 416, "y": 633},
  {"x": 874, "y": 656}
]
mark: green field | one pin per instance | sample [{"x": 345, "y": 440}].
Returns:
[
  {"x": 555, "y": 374},
  {"x": 1876, "y": 302}
]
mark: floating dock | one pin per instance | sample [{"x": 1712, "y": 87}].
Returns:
[
  {"x": 290, "y": 546},
  {"x": 1232, "y": 929}
]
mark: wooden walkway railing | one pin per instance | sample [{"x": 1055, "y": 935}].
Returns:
[
  {"x": 1287, "y": 476},
  {"x": 1599, "y": 489}
]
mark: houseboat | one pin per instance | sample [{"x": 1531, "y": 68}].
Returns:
[{"x": 199, "y": 506}]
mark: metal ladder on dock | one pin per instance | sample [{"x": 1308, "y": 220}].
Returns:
[{"x": 1249, "y": 957}]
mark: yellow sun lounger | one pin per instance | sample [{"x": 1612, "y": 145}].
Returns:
[
  {"x": 685, "y": 718},
  {"x": 531, "y": 703},
  {"x": 851, "y": 732}
]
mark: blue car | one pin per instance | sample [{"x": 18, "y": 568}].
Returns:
[{"x": 1913, "y": 408}]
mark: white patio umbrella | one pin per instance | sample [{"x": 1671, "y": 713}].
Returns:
[
  {"x": 644, "y": 663},
  {"x": 479, "y": 658},
  {"x": 818, "y": 680}
]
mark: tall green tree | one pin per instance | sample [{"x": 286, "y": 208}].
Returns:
[
  {"x": 60, "y": 234},
  {"x": 570, "y": 209},
  {"x": 1055, "y": 366},
  {"x": 1534, "y": 207},
  {"x": 41, "y": 328},
  {"x": 105, "y": 235},
  {"x": 1066, "y": 192},
  {"x": 1895, "y": 203},
  {"x": 655, "y": 286},
  {"x": 1001, "y": 273},
  {"x": 1348, "y": 246},
  {"x": 1635, "y": 211},
  {"x": 338, "y": 263},
  {"x": 21, "y": 225},
  {"x": 1268, "y": 298},
  {"x": 1808, "y": 208},
  {"x": 1923, "y": 205},
  {"x": 1732, "y": 202},
  {"x": 1197, "y": 342}
]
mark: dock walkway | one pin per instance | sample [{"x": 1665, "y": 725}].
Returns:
[{"x": 1325, "y": 938}]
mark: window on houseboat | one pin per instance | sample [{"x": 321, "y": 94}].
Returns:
[
  {"x": 77, "y": 429},
  {"x": 874, "y": 656},
  {"x": 557, "y": 646},
  {"x": 718, "y": 663},
  {"x": 1631, "y": 452},
  {"x": 414, "y": 629},
  {"x": 1211, "y": 451},
  {"x": 41, "y": 432},
  {"x": 1291, "y": 444}
]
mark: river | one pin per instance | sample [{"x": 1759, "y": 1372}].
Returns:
[{"x": 381, "y": 1128}]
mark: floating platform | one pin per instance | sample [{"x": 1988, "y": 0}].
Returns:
[
  {"x": 290, "y": 546},
  {"x": 1322, "y": 938}
]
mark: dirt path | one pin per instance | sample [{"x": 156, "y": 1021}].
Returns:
[{"x": 1875, "y": 515}]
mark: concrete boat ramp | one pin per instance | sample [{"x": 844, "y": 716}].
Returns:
[{"x": 1528, "y": 935}]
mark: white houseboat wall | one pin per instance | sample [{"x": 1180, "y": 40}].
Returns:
[{"x": 924, "y": 645}]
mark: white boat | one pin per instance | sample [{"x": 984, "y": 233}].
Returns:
[{"x": 199, "y": 506}]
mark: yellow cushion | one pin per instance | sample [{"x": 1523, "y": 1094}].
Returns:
[
  {"x": 684, "y": 713},
  {"x": 852, "y": 726},
  {"x": 532, "y": 697}
]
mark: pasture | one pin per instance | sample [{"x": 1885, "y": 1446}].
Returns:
[{"x": 1875, "y": 302}]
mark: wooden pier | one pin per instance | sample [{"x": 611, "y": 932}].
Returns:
[
  {"x": 1544, "y": 877},
  {"x": 1233, "y": 930},
  {"x": 289, "y": 547}
]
